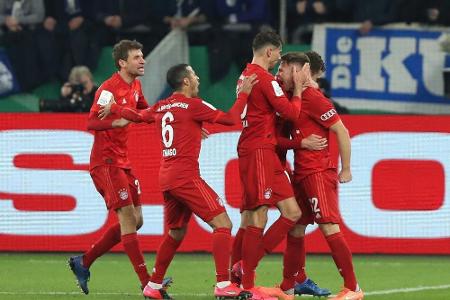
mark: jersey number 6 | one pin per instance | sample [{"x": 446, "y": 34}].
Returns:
[{"x": 167, "y": 129}]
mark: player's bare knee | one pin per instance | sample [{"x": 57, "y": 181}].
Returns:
[
  {"x": 221, "y": 221},
  {"x": 258, "y": 217},
  {"x": 297, "y": 231},
  {"x": 139, "y": 223},
  {"x": 289, "y": 209},
  {"x": 127, "y": 219},
  {"x": 293, "y": 214},
  {"x": 178, "y": 233},
  {"x": 329, "y": 228}
]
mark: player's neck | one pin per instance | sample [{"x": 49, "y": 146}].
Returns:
[
  {"x": 185, "y": 93},
  {"x": 127, "y": 77},
  {"x": 260, "y": 61}
]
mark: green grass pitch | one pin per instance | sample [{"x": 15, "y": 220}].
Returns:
[{"x": 46, "y": 276}]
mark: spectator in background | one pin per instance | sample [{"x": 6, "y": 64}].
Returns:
[
  {"x": 125, "y": 19},
  {"x": 76, "y": 95},
  {"x": 434, "y": 12},
  {"x": 368, "y": 13},
  {"x": 238, "y": 21},
  {"x": 67, "y": 36},
  {"x": 325, "y": 88},
  {"x": 190, "y": 15},
  {"x": 19, "y": 20},
  {"x": 317, "y": 66},
  {"x": 303, "y": 14}
]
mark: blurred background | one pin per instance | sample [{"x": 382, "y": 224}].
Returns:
[{"x": 381, "y": 56}]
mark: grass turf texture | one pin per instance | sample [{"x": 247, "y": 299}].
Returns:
[{"x": 46, "y": 276}]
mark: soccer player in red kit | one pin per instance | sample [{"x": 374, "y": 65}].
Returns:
[
  {"x": 179, "y": 120},
  {"x": 312, "y": 142},
  {"x": 315, "y": 180},
  {"x": 110, "y": 167},
  {"x": 264, "y": 180}
]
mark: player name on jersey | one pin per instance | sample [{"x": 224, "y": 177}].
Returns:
[
  {"x": 169, "y": 152},
  {"x": 171, "y": 105}
]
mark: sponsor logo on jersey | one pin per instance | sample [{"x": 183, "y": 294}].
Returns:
[
  {"x": 267, "y": 193},
  {"x": 123, "y": 194},
  {"x": 328, "y": 114},
  {"x": 124, "y": 101},
  {"x": 136, "y": 96}
]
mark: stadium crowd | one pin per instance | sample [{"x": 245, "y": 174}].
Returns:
[{"x": 67, "y": 33}]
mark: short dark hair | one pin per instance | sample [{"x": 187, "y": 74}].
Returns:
[
  {"x": 265, "y": 38},
  {"x": 295, "y": 58},
  {"x": 120, "y": 50},
  {"x": 316, "y": 62},
  {"x": 176, "y": 74}
]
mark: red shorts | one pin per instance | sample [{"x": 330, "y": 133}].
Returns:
[
  {"x": 117, "y": 186},
  {"x": 316, "y": 195},
  {"x": 195, "y": 196},
  {"x": 264, "y": 180}
]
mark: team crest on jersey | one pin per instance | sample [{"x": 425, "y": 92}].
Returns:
[
  {"x": 268, "y": 193},
  {"x": 123, "y": 194}
]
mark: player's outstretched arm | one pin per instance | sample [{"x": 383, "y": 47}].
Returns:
[
  {"x": 232, "y": 117},
  {"x": 344, "y": 145},
  {"x": 145, "y": 115},
  {"x": 312, "y": 142},
  {"x": 94, "y": 123}
]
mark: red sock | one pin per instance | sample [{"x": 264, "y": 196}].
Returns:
[
  {"x": 252, "y": 240},
  {"x": 164, "y": 257},
  {"x": 342, "y": 258},
  {"x": 109, "y": 239},
  {"x": 301, "y": 276},
  {"x": 293, "y": 264},
  {"x": 275, "y": 234},
  {"x": 131, "y": 247},
  {"x": 221, "y": 252},
  {"x": 236, "y": 254}
]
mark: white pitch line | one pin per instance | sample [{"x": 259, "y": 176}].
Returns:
[
  {"x": 408, "y": 290},
  {"x": 369, "y": 293}
]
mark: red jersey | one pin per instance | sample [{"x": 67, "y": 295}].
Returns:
[
  {"x": 179, "y": 121},
  {"x": 110, "y": 146},
  {"x": 316, "y": 117},
  {"x": 282, "y": 129},
  {"x": 258, "y": 118}
]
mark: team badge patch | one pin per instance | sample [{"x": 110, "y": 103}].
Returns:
[
  {"x": 123, "y": 194},
  {"x": 277, "y": 89},
  {"x": 267, "y": 193},
  {"x": 104, "y": 98}
]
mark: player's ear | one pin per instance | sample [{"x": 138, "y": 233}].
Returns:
[
  {"x": 268, "y": 51},
  {"x": 122, "y": 63},
  {"x": 186, "y": 81}
]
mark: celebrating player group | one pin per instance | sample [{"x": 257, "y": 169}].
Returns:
[{"x": 278, "y": 113}]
